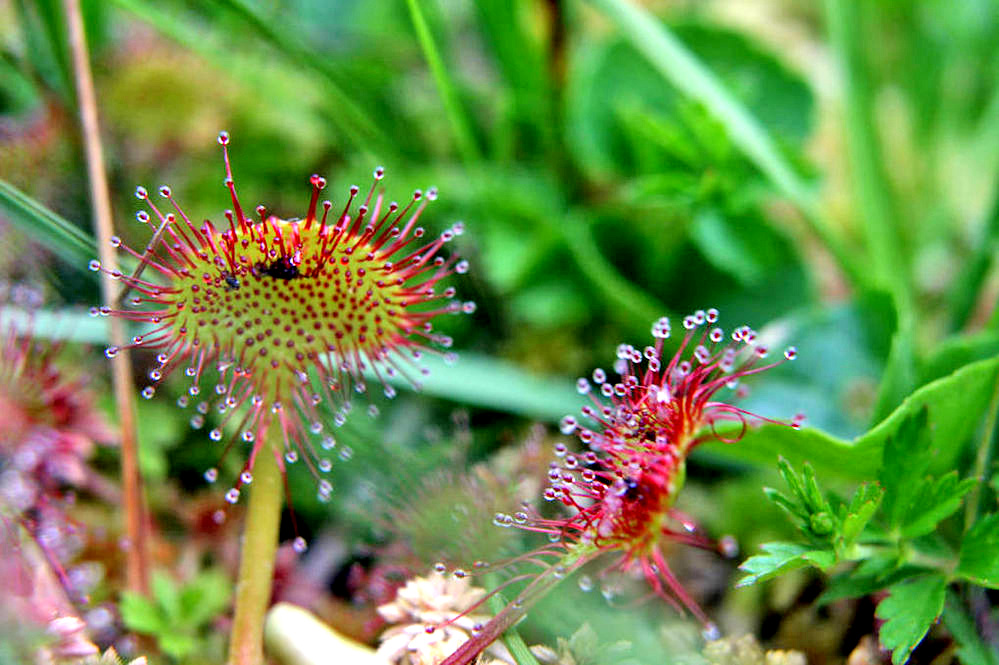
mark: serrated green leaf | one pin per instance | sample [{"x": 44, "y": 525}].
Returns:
[
  {"x": 782, "y": 558},
  {"x": 790, "y": 477},
  {"x": 935, "y": 501},
  {"x": 167, "y": 596},
  {"x": 792, "y": 508},
  {"x": 176, "y": 645},
  {"x": 906, "y": 459},
  {"x": 140, "y": 614},
  {"x": 879, "y": 572},
  {"x": 207, "y": 596},
  {"x": 909, "y": 610},
  {"x": 971, "y": 649},
  {"x": 813, "y": 497},
  {"x": 979, "y": 558},
  {"x": 862, "y": 507}
]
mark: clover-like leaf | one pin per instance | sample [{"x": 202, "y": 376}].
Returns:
[{"x": 909, "y": 610}]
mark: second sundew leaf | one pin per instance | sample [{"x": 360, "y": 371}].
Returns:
[
  {"x": 979, "y": 561},
  {"x": 909, "y": 610}
]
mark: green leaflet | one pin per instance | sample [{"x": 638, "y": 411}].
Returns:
[
  {"x": 979, "y": 561},
  {"x": 782, "y": 558},
  {"x": 909, "y": 610}
]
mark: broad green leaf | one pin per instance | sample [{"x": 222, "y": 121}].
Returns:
[
  {"x": 936, "y": 501},
  {"x": 955, "y": 405},
  {"x": 909, "y": 610},
  {"x": 744, "y": 247},
  {"x": 979, "y": 558},
  {"x": 955, "y": 352},
  {"x": 140, "y": 613},
  {"x": 842, "y": 352},
  {"x": 782, "y": 558},
  {"x": 677, "y": 63}
]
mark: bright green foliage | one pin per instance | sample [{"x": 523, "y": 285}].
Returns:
[
  {"x": 884, "y": 529},
  {"x": 914, "y": 504},
  {"x": 782, "y": 558},
  {"x": 825, "y": 525},
  {"x": 177, "y": 616},
  {"x": 979, "y": 558},
  {"x": 972, "y": 650},
  {"x": 909, "y": 610}
]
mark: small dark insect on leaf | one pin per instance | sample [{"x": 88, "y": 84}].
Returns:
[
  {"x": 231, "y": 282},
  {"x": 281, "y": 268}
]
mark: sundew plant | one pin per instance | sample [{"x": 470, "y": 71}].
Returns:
[{"x": 505, "y": 331}]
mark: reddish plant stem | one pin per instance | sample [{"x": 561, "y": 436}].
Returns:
[
  {"x": 136, "y": 553},
  {"x": 512, "y": 613}
]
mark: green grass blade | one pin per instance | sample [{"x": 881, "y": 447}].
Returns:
[
  {"x": 355, "y": 121},
  {"x": 968, "y": 284},
  {"x": 688, "y": 74},
  {"x": 460, "y": 124},
  {"x": 59, "y": 325},
  {"x": 48, "y": 229},
  {"x": 518, "y": 648},
  {"x": 870, "y": 183},
  {"x": 496, "y": 384}
]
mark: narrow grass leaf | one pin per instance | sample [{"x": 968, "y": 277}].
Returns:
[
  {"x": 460, "y": 124},
  {"x": 48, "y": 229}
]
